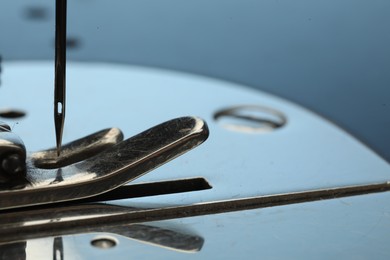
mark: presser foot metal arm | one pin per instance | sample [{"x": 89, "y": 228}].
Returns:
[{"x": 116, "y": 165}]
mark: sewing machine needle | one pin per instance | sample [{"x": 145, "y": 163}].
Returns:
[{"x": 60, "y": 71}]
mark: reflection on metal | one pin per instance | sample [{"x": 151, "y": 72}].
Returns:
[
  {"x": 153, "y": 235},
  {"x": 13, "y": 251},
  {"x": 25, "y": 216},
  {"x": 29, "y": 224},
  {"x": 58, "y": 249},
  {"x": 111, "y": 168},
  {"x": 160, "y": 237}
]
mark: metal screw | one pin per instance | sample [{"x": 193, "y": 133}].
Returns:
[{"x": 12, "y": 164}]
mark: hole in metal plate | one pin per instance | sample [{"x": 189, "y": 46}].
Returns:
[
  {"x": 104, "y": 242},
  {"x": 12, "y": 113},
  {"x": 250, "y": 119}
]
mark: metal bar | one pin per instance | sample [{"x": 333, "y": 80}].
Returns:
[{"x": 36, "y": 229}]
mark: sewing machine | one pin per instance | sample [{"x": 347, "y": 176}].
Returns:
[{"x": 266, "y": 177}]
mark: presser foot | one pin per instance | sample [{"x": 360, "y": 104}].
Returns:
[{"x": 100, "y": 163}]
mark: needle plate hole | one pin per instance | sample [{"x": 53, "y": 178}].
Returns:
[
  {"x": 104, "y": 242},
  {"x": 12, "y": 113},
  {"x": 250, "y": 119}
]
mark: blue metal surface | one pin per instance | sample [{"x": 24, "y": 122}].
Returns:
[{"x": 332, "y": 57}]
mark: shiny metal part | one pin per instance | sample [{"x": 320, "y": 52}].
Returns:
[
  {"x": 12, "y": 159},
  {"x": 78, "y": 150},
  {"x": 85, "y": 218},
  {"x": 142, "y": 232},
  {"x": 109, "y": 169},
  {"x": 58, "y": 249},
  {"x": 307, "y": 154},
  {"x": 151, "y": 189},
  {"x": 60, "y": 71}
]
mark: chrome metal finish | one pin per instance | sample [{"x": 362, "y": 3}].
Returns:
[
  {"x": 12, "y": 159},
  {"x": 307, "y": 154},
  {"x": 77, "y": 150},
  {"x": 152, "y": 235},
  {"x": 22, "y": 225},
  {"x": 111, "y": 168}
]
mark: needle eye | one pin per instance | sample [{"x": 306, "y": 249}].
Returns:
[{"x": 59, "y": 108}]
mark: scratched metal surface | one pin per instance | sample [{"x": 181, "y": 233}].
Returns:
[
  {"x": 111, "y": 168},
  {"x": 308, "y": 152}
]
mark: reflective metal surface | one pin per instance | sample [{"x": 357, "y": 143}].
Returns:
[
  {"x": 306, "y": 153},
  {"x": 109, "y": 169},
  {"x": 73, "y": 219},
  {"x": 330, "y": 229},
  {"x": 152, "y": 235},
  {"x": 12, "y": 158},
  {"x": 77, "y": 150}
]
